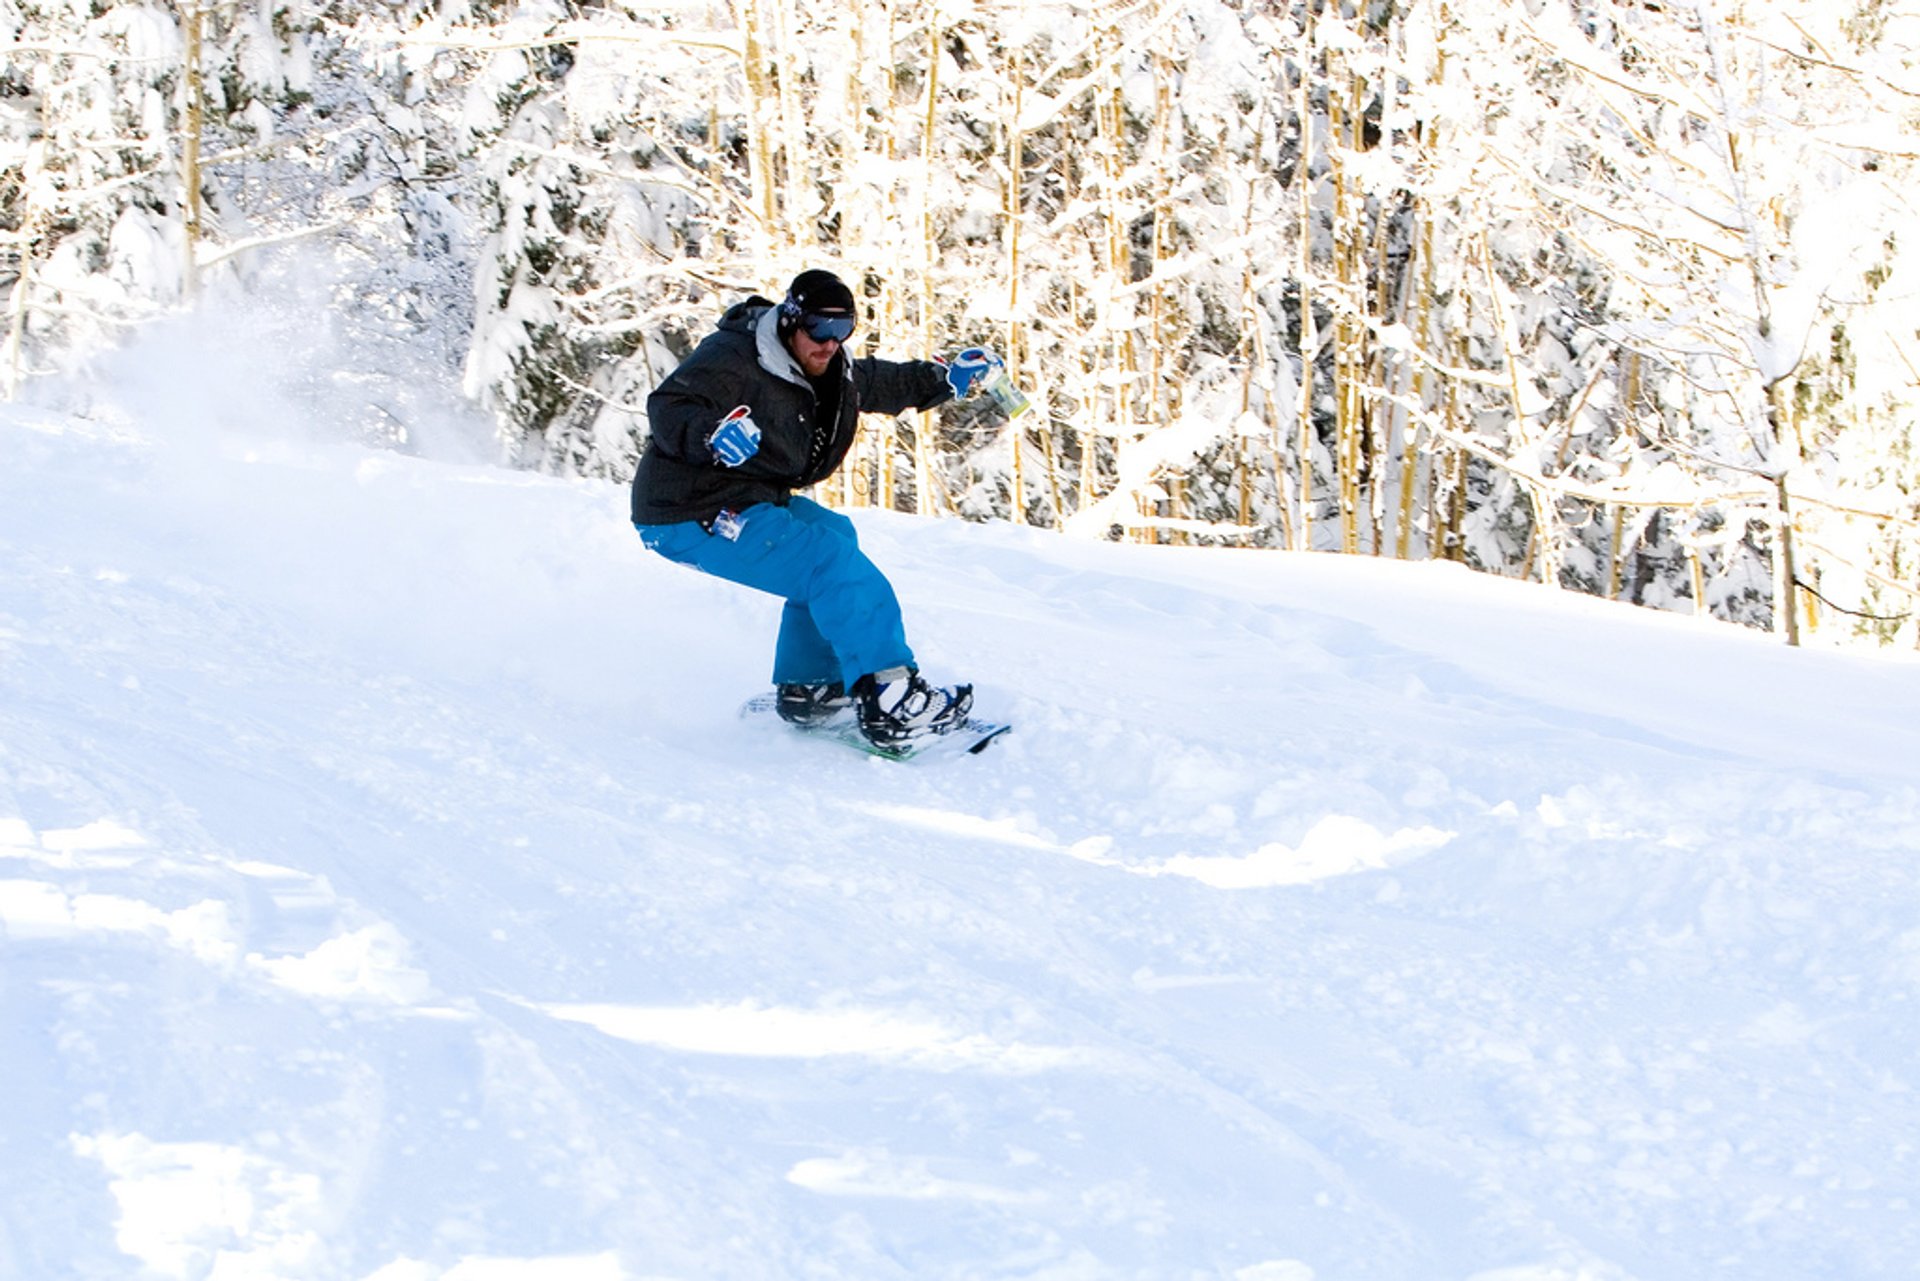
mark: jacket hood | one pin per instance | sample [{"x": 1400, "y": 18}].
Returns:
[
  {"x": 741, "y": 317},
  {"x": 759, "y": 319},
  {"x": 774, "y": 356}
]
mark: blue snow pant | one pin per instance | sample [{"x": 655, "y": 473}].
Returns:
[{"x": 842, "y": 619}]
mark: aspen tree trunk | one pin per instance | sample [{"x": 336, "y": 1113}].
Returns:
[
  {"x": 1016, "y": 148},
  {"x": 1787, "y": 579},
  {"x": 1303, "y": 271},
  {"x": 858, "y": 138},
  {"x": 1446, "y": 530},
  {"x": 1614, "y": 552},
  {"x": 1346, "y": 295},
  {"x": 1355, "y": 361},
  {"x": 862, "y": 475},
  {"x": 1089, "y": 401},
  {"x": 799, "y": 202},
  {"x": 923, "y": 460},
  {"x": 1422, "y": 312},
  {"x": 1387, "y": 368},
  {"x": 1245, "y": 351},
  {"x": 194, "y": 114},
  {"x": 1427, "y": 146},
  {"x": 1248, "y": 350},
  {"x": 889, "y": 482},
  {"x": 762, "y": 171},
  {"x": 1163, "y": 396},
  {"x": 1121, "y": 368},
  {"x": 1436, "y": 464},
  {"x": 1786, "y": 568},
  {"x": 33, "y": 221},
  {"x": 1409, "y": 477},
  {"x": 1379, "y": 414},
  {"x": 1457, "y": 509},
  {"x": 1541, "y": 532},
  {"x": 893, "y": 291},
  {"x": 871, "y": 132},
  {"x": 1054, "y": 496},
  {"x": 892, "y": 320},
  {"x": 1017, "y": 345}
]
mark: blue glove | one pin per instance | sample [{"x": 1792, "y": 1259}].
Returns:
[
  {"x": 736, "y": 439},
  {"x": 966, "y": 369}
]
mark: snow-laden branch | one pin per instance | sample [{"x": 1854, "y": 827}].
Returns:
[
  {"x": 1828, "y": 63},
  {"x": 569, "y": 32},
  {"x": 1621, "y": 495},
  {"x": 1864, "y": 571},
  {"x": 235, "y": 248}
]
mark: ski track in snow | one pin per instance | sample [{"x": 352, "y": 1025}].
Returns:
[{"x": 387, "y": 891}]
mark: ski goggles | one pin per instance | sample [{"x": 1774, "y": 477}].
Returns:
[{"x": 824, "y": 328}]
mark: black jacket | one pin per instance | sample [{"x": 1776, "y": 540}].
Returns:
[{"x": 743, "y": 362}]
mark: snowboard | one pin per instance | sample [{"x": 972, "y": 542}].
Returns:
[{"x": 970, "y": 737}]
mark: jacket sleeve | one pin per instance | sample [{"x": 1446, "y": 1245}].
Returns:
[
  {"x": 683, "y": 411},
  {"x": 895, "y": 386}
]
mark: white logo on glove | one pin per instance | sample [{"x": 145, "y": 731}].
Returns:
[{"x": 736, "y": 439}]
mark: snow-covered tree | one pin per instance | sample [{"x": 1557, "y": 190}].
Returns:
[
  {"x": 92, "y": 198},
  {"x": 1746, "y": 208}
]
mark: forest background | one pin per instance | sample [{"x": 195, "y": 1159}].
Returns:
[{"x": 1617, "y": 295}]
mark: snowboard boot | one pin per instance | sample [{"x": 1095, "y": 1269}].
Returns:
[
  {"x": 810, "y": 706},
  {"x": 898, "y": 709}
]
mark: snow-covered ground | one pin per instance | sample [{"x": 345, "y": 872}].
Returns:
[{"x": 389, "y": 892}]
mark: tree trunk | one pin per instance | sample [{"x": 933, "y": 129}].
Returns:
[
  {"x": 923, "y": 459},
  {"x": 193, "y": 117},
  {"x": 1303, "y": 276}
]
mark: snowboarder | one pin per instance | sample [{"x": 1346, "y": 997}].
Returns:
[{"x": 767, "y": 404}]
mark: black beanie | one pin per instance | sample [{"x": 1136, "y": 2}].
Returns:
[{"x": 816, "y": 291}]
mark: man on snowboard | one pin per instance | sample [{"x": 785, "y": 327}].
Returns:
[{"x": 768, "y": 404}]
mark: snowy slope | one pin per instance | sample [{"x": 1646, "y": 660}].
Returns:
[{"x": 387, "y": 890}]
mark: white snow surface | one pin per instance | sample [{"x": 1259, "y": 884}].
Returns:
[{"x": 389, "y": 891}]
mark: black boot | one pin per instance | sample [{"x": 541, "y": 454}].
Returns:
[
  {"x": 897, "y": 708},
  {"x": 809, "y": 706}
]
